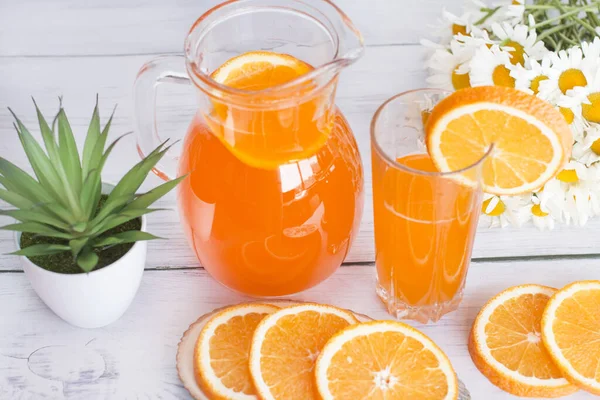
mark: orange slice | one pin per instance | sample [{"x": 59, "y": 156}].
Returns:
[
  {"x": 259, "y": 70},
  {"x": 505, "y": 344},
  {"x": 531, "y": 140},
  {"x": 286, "y": 345},
  {"x": 221, "y": 352},
  {"x": 266, "y": 128},
  {"x": 384, "y": 360},
  {"x": 571, "y": 333}
]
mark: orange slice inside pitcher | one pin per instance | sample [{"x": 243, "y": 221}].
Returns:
[
  {"x": 266, "y": 128},
  {"x": 531, "y": 140}
]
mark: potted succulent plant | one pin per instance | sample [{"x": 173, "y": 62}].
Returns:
[{"x": 83, "y": 241}]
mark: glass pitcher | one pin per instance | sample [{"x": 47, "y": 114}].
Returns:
[{"x": 274, "y": 193}]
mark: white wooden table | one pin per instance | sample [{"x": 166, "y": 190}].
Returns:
[{"x": 79, "y": 48}]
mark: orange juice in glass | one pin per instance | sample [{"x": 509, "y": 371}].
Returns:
[{"x": 425, "y": 221}]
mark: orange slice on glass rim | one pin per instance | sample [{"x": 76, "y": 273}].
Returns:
[
  {"x": 531, "y": 139},
  {"x": 506, "y": 345},
  {"x": 222, "y": 349},
  {"x": 286, "y": 345},
  {"x": 571, "y": 333},
  {"x": 384, "y": 360}
]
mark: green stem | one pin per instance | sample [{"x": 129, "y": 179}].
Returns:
[
  {"x": 551, "y": 31},
  {"x": 574, "y": 11},
  {"x": 568, "y": 40},
  {"x": 490, "y": 12}
]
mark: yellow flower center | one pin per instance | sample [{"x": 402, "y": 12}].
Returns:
[
  {"x": 591, "y": 112},
  {"x": 460, "y": 81},
  {"x": 570, "y": 79},
  {"x": 516, "y": 3},
  {"x": 535, "y": 83},
  {"x": 595, "y": 147},
  {"x": 457, "y": 28},
  {"x": 516, "y": 55},
  {"x": 568, "y": 114},
  {"x": 497, "y": 211},
  {"x": 501, "y": 77},
  {"x": 568, "y": 176},
  {"x": 537, "y": 211}
]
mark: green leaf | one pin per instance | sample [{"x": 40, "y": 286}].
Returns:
[
  {"x": 36, "y": 227},
  {"x": 115, "y": 220},
  {"x": 132, "y": 180},
  {"x": 124, "y": 237},
  {"x": 22, "y": 183},
  {"x": 97, "y": 153},
  {"x": 44, "y": 170},
  {"x": 15, "y": 199},
  {"x": 69, "y": 155},
  {"x": 148, "y": 198},
  {"x": 41, "y": 250},
  {"x": 87, "y": 260},
  {"x": 31, "y": 215},
  {"x": 91, "y": 193},
  {"x": 77, "y": 245},
  {"x": 48, "y": 136},
  {"x": 93, "y": 134}
]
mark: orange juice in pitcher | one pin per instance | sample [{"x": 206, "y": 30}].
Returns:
[{"x": 274, "y": 192}]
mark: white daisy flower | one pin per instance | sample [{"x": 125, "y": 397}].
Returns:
[
  {"x": 519, "y": 41},
  {"x": 568, "y": 71},
  {"x": 450, "y": 68},
  {"x": 540, "y": 217},
  {"x": 572, "y": 110},
  {"x": 587, "y": 150},
  {"x": 573, "y": 195},
  {"x": 588, "y": 97},
  {"x": 529, "y": 76},
  {"x": 591, "y": 51},
  {"x": 491, "y": 66},
  {"x": 476, "y": 38},
  {"x": 503, "y": 211},
  {"x": 451, "y": 25}
]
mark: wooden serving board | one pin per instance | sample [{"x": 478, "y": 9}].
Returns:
[{"x": 185, "y": 351}]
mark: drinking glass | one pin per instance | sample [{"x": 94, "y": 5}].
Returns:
[{"x": 425, "y": 220}]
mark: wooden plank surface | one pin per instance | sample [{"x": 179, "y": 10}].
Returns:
[
  {"x": 78, "y": 48},
  {"x": 135, "y": 357}
]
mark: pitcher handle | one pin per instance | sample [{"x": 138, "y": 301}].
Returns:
[{"x": 164, "y": 69}]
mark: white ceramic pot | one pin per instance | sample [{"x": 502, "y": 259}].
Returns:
[{"x": 94, "y": 299}]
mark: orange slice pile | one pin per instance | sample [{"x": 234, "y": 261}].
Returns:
[
  {"x": 571, "y": 333},
  {"x": 531, "y": 140},
  {"x": 310, "y": 351},
  {"x": 506, "y": 346},
  {"x": 384, "y": 360}
]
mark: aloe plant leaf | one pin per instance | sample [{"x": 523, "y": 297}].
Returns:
[
  {"x": 87, "y": 260},
  {"x": 124, "y": 237},
  {"x": 98, "y": 150},
  {"x": 91, "y": 139},
  {"x": 39, "y": 161},
  {"x": 90, "y": 193},
  {"x": 132, "y": 180},
  {"x": 77, "y": 245},
  {"x": 150, "y": 197},
  {"x": 15, "y": 199},
  {"x": 22, "y": 183},
  {"x": 41, "y": 250},
  {"x": 36, "y": 227},
  {"x": 30, "y": 215},
  {"x": 67, "y": 149},
  {"x": 48, "y": 136},
  {"x": 113, "y": 221}
]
